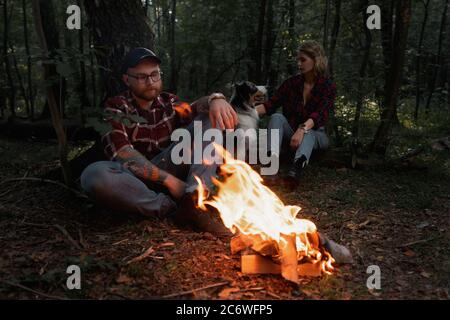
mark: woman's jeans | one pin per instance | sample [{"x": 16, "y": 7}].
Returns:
[
  {"x": 113, "y": 186},
  {"x": 314, "y": 139}
]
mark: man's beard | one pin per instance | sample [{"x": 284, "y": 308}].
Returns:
[{"x": 149, "y": 94}]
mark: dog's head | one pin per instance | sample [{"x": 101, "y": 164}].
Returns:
[{"x": 243, "y": 93}]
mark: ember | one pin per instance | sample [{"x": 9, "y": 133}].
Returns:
[{"x": 277, "y": 240}]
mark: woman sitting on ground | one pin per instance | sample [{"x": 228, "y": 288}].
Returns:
[{"x": 306, "y": 100}]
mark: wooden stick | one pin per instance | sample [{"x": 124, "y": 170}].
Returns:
[
  {"x": 418, "y": 241},
  {"x": 68, "y": 236},
  {"x": 147, "y": 253},
  {"x": 33, "y": 291},
  {"x": 78, "y": 193},
  {"x": 195, "y": 290}
]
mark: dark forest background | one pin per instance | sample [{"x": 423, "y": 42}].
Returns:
[{"x": 393, "y": 83}]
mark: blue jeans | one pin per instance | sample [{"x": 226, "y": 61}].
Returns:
[
  {"x": 115, "y": 187},
  {"x": 314, "y": 139}
]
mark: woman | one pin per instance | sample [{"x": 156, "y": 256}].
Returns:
[{"x": 306, "y": 100}]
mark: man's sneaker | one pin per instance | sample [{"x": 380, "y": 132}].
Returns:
[{"x": 188, "y": 215}]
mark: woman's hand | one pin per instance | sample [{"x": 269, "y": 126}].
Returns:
[
  {"x": 260, "y": 109},
  {"x": 222, "y": 114},
  {"x": 175, "y": 186},
  {"x": 297, "y": 139}
]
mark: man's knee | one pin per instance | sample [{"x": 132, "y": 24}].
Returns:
[{"x": 96, "y": 176}]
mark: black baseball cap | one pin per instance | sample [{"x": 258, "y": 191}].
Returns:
[{"x": 137, "y": 55}]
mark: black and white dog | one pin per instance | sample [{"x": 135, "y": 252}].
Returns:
[
  {"x": 243, "y": 100},
  {"x": 245, "y": 95}
]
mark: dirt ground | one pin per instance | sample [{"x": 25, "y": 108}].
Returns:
[{"x": 398, "y": 219}]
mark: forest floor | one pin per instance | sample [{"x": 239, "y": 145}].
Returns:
[{"x": 398, "y": 219}]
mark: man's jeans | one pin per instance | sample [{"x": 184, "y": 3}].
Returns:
[
  {"x": 314, "y": 139},
  {"x": 113, "y": 186}
]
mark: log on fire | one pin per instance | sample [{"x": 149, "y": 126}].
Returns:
[{"x": 259, "y": 256}]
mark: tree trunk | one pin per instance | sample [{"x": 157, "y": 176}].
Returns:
[
  {"x": 393, "y": 81},
  {"x": 439, "y": 58},
  {"x": 20, "y": 81},
  {"x": 27, "y": 50},
  {"x": 255, "y": 67},
  {"x": 419, "y": 59},
  {"x": 173, "y": 57},
  {"x": 81, "y": 88},
  {"x": 362, "y": 72},
  {"x": 119, "y": 27},
  {"x": 292, "y": 67},
  {"x": 326, "y": 21},
  {"x": 11, "y": 87},
  {"x": 269, "y": 44},
  {"x": 93, "y": 66},
  {"x": 50, "y": 27},
  {"x": 387, "y": 29},
  {"x": 334, "y": 34},
  {"x": 53, "y": 106}
]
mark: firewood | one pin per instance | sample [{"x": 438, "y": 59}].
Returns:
[
  {"x": 256, "y": 264},
  {"x": 309, "y": 269},
  {"x": 288, "y": 254}
]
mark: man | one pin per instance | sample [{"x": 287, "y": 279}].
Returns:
[{"x": 141, "y": 176}]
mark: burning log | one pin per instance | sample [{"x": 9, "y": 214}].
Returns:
[{"x": 266, "y": 257}]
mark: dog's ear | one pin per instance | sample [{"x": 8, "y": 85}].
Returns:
[{"x": 251, "y": 87}]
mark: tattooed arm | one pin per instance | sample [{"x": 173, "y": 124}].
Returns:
[{"x": 134, "y": 161}]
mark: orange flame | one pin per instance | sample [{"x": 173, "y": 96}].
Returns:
[{"x": 246, "y": 205}]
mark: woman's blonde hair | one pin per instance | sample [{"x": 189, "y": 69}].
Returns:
[{"x": 315, "y": 51}]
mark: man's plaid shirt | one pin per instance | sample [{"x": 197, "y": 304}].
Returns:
[{"x": 149, "y": 137}]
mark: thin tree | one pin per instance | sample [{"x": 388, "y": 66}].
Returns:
[
  {"x": 326, "y": 20},
  {"x": 82, "y": 91},
  {"x": 29, "y": 66},
  {"x": 11, "y": 86},
  {"x": 172, "y": 44},
  {"x": 362, "y": 71},
  {"x": 419, "y": 58},
  {"x": 439, "y": 57},
  {"x": 394, "y": 78},
  {"x": 334, "y": 34},
  {"x": 56, "y": 115}
]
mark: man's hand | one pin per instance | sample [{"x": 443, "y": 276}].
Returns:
[
  {"x": 297, "y": 138},
  {"x": 175, "y": 186},
  {"x": 222, "y": 114}
]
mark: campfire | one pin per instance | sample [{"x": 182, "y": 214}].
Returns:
[{"x": 268, "y": 234}]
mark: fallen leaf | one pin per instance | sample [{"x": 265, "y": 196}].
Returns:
[
  {"x": 123, "y": 279},
  {"x": 409, "y": 253},
  {"x": 425, "y": 274},
  {"x": 225, "y": 293}
]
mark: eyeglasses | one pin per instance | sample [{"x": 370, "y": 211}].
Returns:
[{"x": 144, "y": 78}]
